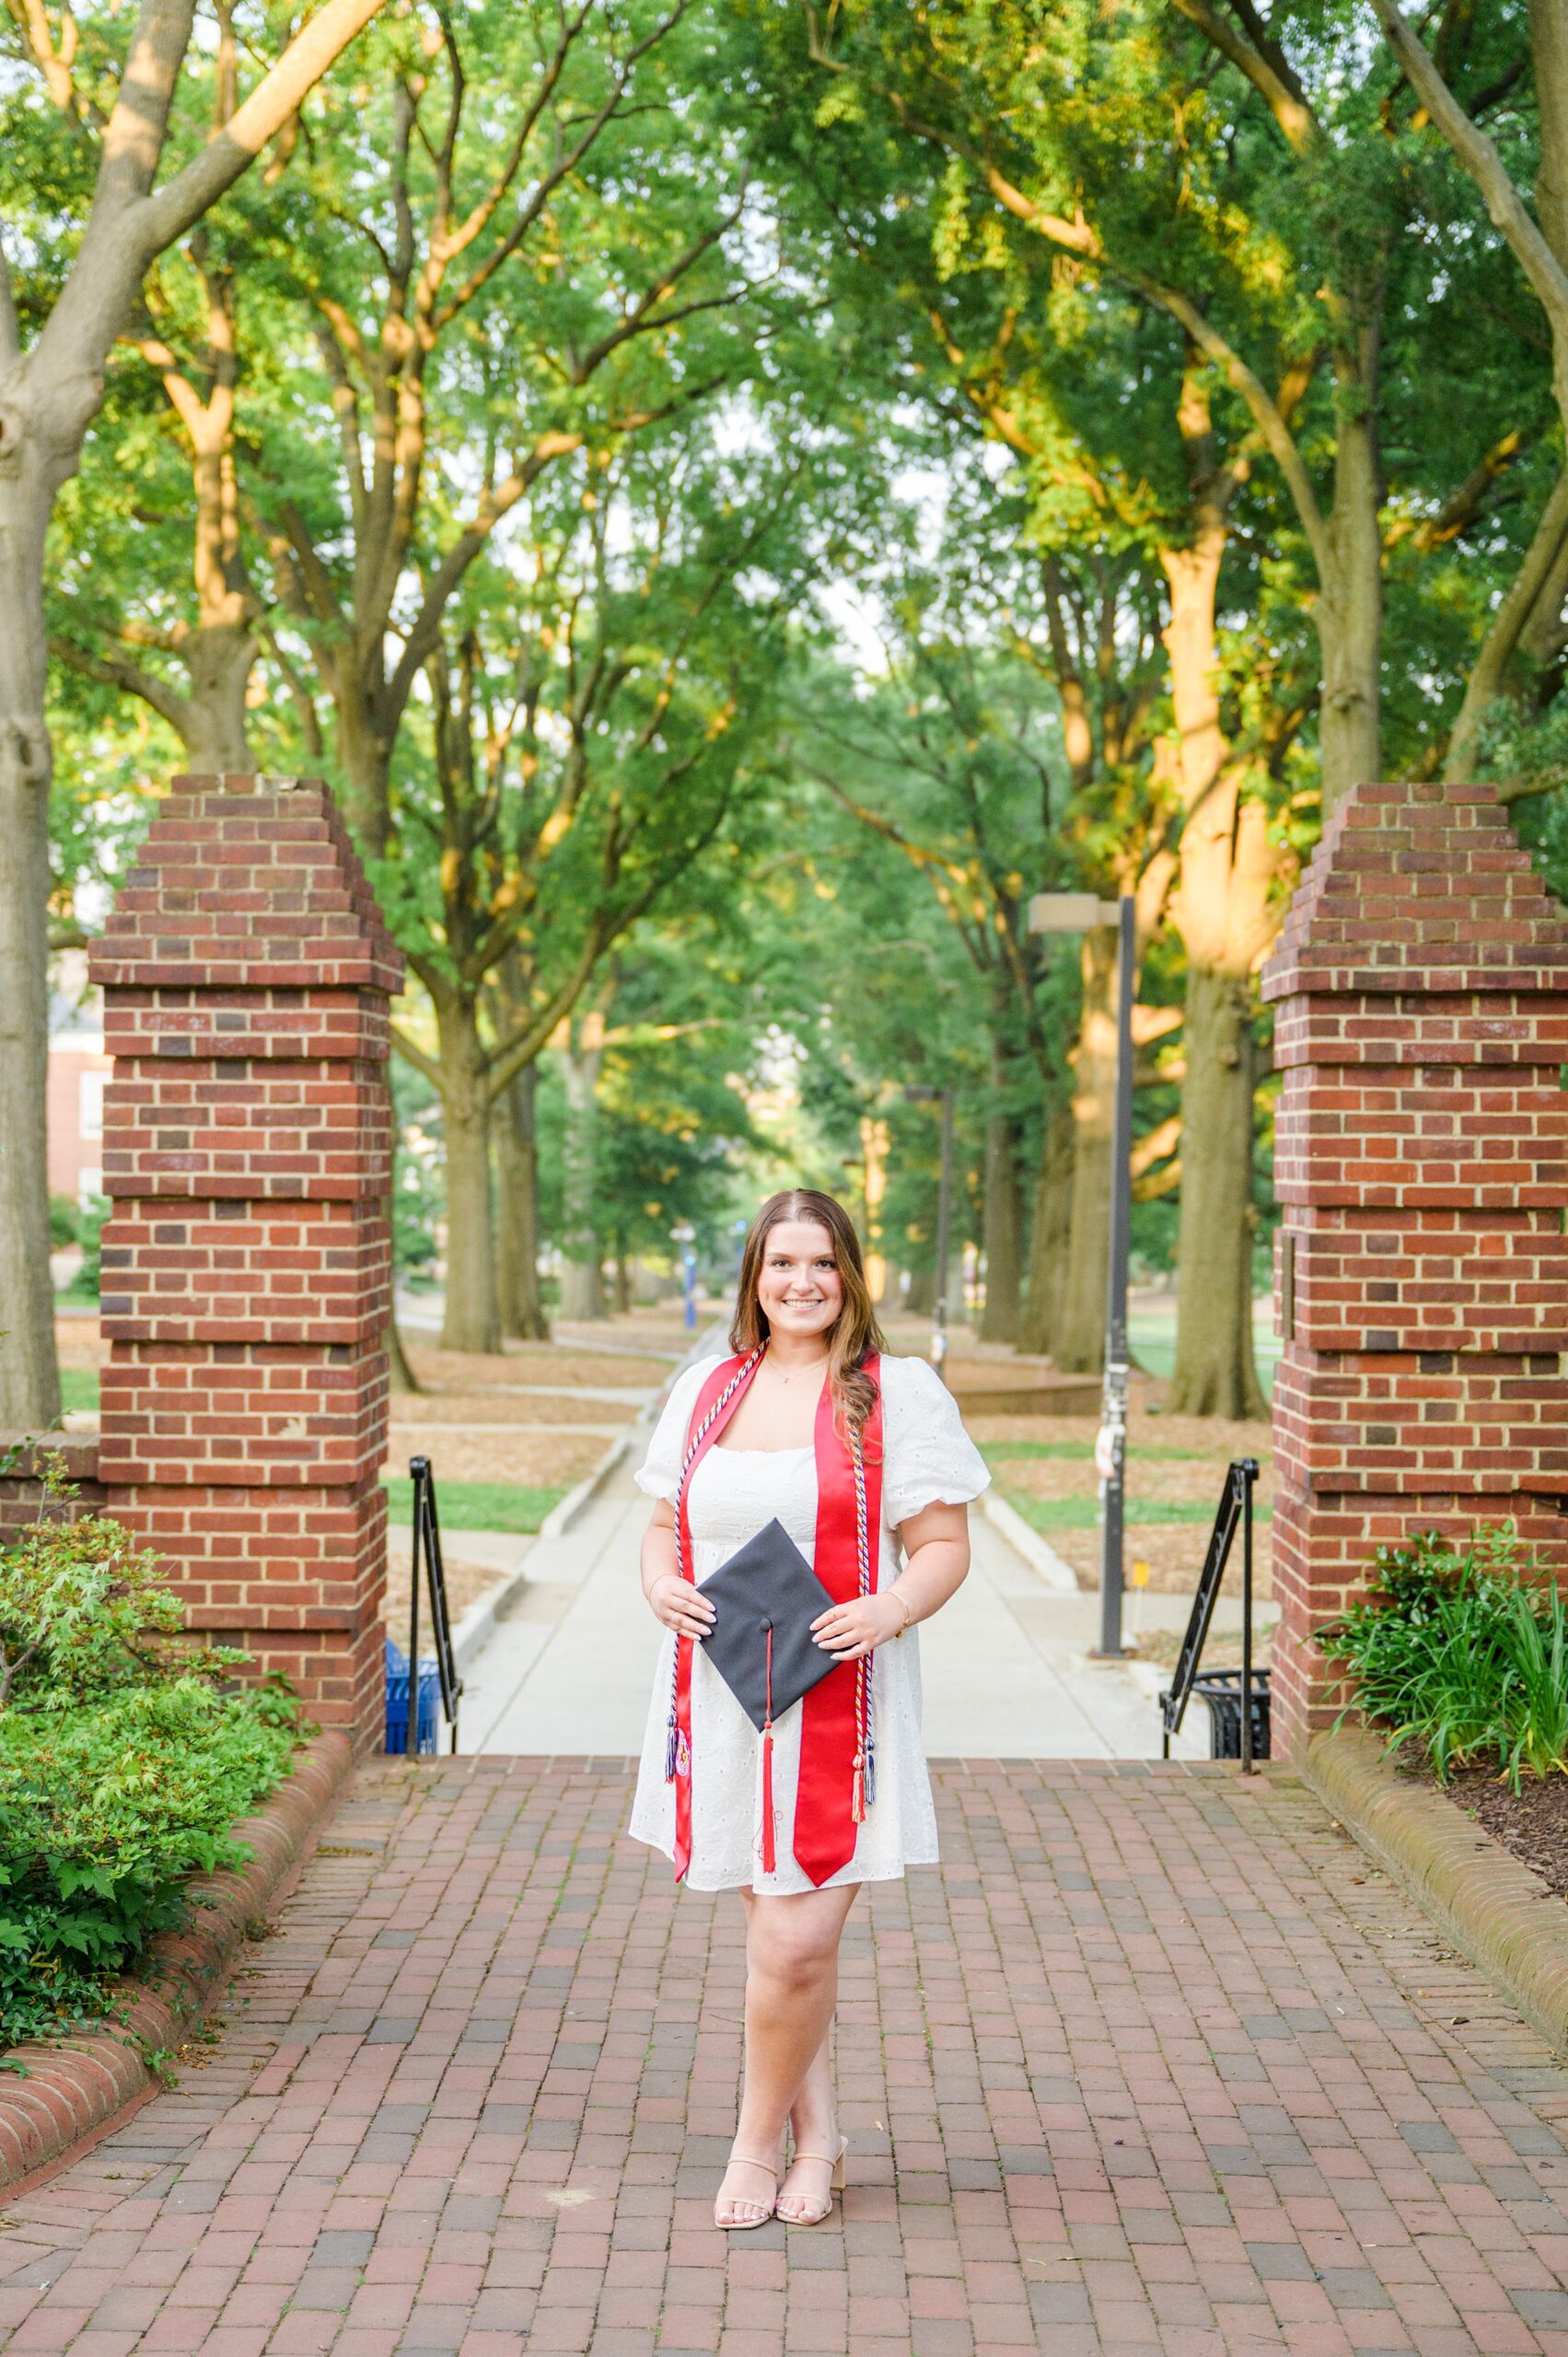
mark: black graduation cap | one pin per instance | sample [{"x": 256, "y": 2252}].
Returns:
[{"x": 767, "y": 1585}]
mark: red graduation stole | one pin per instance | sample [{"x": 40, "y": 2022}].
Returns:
[{"x": 837, "y": 1776}]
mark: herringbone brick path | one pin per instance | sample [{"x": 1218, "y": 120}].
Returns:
[{"x": 1156, "y": 2062}]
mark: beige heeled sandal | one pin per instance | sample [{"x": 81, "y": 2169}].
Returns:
[
  {"x": 736, "y": 2201},
  {"x": 835, "y": 2185}
]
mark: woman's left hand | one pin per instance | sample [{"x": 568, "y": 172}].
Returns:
[{"x": 851, "y": 1630}]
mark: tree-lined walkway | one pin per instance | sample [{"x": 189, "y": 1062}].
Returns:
[
  {"x": 1004, "y": 1668},
  {"x": 1155, "y": 2062}
]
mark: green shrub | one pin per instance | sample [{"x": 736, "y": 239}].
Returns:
[
  {"x": 105, "y": 1808},
  {"x": 1453, "y": 1652},
  {"x": 84, "y": 1613},
  {"x": 124, "y": 1759}
]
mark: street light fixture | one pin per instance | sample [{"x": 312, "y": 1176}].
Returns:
[
  {"x": 917, "y": 1093},
  {"x": 1078, "y": 912}
]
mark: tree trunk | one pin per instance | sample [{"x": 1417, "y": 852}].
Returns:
[
  {"x": 1216, "y": 1372},
  {"x": 470, "y": 1323},
  {"x": 1080, "y": 1341},
  {"x": 625, "y": 1290},
  {"x": 1002, "y": 1216},
  {"x": 582, "y": 1281},
  {"x": 364, "y": 746},
  {"x": 921, "y": 1298},
  {"x": 1224, "y": 912},
  {"x": 29, "y": 1380},
  {"x": 520, "y": 1303},
  {"x": 403, "y": 1377},
  {"x": 220, "y": 659},
  {"x": 1350, "y": 611},
  {"x": 1049, "y": 1234}
]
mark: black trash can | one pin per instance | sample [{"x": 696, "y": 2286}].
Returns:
[{"x": 1221, "y": 1690}]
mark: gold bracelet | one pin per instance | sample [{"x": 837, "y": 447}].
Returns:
[{"x": 908, "y": 1612}]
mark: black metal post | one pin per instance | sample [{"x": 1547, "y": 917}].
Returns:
[
  {"x": 1113, "y": 1415},
  {"x": 1248, "y": 1470},
  {"x": 419, "y": 1473},
  {"x": 944, "y": 1233}
]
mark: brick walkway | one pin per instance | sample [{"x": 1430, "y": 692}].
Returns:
[{"x": 1163, "y": 2065}]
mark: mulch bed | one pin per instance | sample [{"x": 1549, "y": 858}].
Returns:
[{"x": 1532, "y": 1825}]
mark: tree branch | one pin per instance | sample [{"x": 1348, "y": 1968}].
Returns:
[
  {"x": 1267, "y": 69},
  {"x": 1079, "y": 237},
  {"x": 312, "y": 54},
  {"x": 415, "y": 1055},
  {"x": 1490, "y": 666},
  {"x": 1509, "y": 213},
  {"x": 115, "y": 672}
]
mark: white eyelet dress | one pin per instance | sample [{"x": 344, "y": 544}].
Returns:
[{"x": 927, "y": 1457}]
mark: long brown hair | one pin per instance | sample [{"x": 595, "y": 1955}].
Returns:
[{"x": 854, "y": 1335}]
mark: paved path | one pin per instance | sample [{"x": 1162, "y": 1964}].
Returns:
[
  {"x": 1155, "y": 2063},
  {"x": 570, "y": 1668}
]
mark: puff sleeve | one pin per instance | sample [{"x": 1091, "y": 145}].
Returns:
[
  {"x": 660, "y": 1469},
  {"x": 929, "y": 1456}
]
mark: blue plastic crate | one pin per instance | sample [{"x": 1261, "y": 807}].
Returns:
[{"x": 397, "y": 1701}]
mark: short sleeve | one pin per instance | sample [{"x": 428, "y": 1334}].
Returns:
[
  {"x": 660, "y": 1470},
  {"x": 928, "y": 1456}
]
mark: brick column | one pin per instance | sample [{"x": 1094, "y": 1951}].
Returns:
[
  {"x": 1420, "y": 994},
  {"x": 246, "y": 1264}
]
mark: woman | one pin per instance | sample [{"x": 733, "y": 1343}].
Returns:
[{"x": 864, "y": 1461}]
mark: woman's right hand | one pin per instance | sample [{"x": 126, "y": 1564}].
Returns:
[{"x": 680, "y": 1605}]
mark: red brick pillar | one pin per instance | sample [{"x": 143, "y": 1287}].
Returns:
[
  {"x": 247, "y": 1149},
  {"x": 1420, "y": 995}
]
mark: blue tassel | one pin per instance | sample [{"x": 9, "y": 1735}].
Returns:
[{"x": 670, "y": 1740}]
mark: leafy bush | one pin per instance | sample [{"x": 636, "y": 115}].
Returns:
[
  {"x": 105, "y": 1808},
  {"x": 82, "y": 1613},
  {"x": 1455, "y": 1653},
  {"x": 124, "y": 1761}
]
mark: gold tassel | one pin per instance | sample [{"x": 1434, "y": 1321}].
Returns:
[{"x": 857, "y": 1793}]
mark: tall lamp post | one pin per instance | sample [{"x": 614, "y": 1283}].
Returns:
[
  {"x": 1078, "y": 912},
  {"x": 919, "y": 1093}
]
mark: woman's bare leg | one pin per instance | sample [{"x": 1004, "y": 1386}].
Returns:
[
  {"x": 814, "y": 2119},
  {"x": 791, "y": 1978}
]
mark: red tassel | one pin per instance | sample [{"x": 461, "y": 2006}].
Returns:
[{"x": 769, "y": 1855}]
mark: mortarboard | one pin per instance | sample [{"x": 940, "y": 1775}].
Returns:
[{"x": 765, "y": 1598}]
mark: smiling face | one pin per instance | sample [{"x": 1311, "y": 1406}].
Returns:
[{"x": 799, "y": 1289}]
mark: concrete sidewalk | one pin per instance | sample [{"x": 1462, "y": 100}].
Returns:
[{"x": 1004, "y": 1664}]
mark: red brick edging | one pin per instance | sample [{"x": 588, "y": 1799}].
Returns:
[
  {"x": 76, "y": 2091},
  {"x": 1496, "y": 1911}
]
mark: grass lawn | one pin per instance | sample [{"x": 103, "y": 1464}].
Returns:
[
  {"x": 1082, "y": 1514},
  {"x": 476, "y": 1505},
  {"x": 998, "y": 1452},
  {"x": 1151, "y": 1327},
  {"x": 78, "y": 1388}
]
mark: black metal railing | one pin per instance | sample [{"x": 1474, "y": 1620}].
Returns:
[
  {"x": 428, "y": 1551},
  {"x": 1251, "y": 1692}
]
